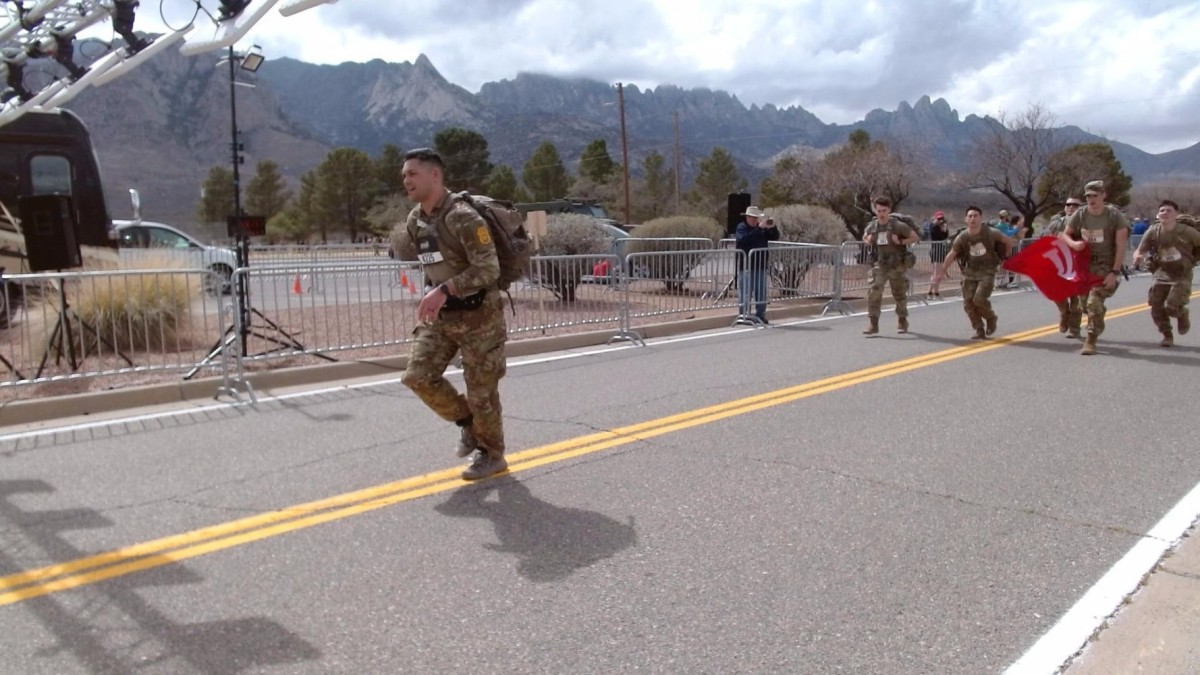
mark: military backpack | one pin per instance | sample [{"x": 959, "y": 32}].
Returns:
[{"x": 507, "y": 228}]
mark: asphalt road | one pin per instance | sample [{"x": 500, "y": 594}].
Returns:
[{"x": 795, "y": 499}]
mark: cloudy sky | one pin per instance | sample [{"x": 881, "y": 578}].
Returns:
[{"x": 1128, "y": 70}]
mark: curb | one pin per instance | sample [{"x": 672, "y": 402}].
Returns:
[{"x": 29, "y": 411}]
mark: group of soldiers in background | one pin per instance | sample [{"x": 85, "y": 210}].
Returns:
[{"x": 1170, "y": 251}]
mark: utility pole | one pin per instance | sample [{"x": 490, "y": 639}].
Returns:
[
  {"x": 677, "y": 162},
  {"x": 624, "y": 148},
  {"x": 237, "y": 147}
]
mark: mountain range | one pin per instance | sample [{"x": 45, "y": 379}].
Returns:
[{"x": 161, "y": 127}]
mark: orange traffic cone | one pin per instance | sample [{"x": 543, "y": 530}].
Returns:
[
  {"x": 296, "y": 285},
  {"x": 404, "y": 278},
  {"x": 412, "y": 288}
]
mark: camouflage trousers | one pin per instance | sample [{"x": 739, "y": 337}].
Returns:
[
  {"x": 1096, "y": 309},
  {"x": 1168, "y": 300},
  {"x": 479, "y": 335},
  {"x": 1070, "y": 312},
  {"x": 893, "y": 276},
  {"x": 977, "y": 300}
]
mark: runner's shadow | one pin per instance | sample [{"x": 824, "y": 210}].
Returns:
[{"x": 550, "y": 542}]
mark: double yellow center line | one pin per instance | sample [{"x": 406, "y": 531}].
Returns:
[{"x": 167, "y": 550}]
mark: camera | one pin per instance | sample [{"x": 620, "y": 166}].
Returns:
[{"x": 769, "y": 221}]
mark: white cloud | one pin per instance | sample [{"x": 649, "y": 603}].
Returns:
[{"x": 1128, "y": 72}]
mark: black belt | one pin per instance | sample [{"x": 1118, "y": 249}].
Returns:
[{"x": 473, "y": 301}]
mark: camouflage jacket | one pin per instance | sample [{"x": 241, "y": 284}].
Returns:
[{"x": 453, "y": 244}]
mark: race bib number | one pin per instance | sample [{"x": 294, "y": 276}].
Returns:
[
  {"x": 1093, "y": 236},
  {"x": 1170, "y": 255},
  {"x": 978, "y": 250},
  {"x": 427, "y": 251}
]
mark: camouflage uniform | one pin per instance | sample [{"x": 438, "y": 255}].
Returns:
[
  {"x": 980, "y": 261},
  {"x": 454, "y": 244},
  {"x": 1070, "y": 311},
  {"x": 890, "y": 267},
  {"x": 1100, "y": 232},
  {"x": 1173, "y": 255}
]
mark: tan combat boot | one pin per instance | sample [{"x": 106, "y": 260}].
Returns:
[
  {"x": 873, "y": 327},
  {"x": 1089, "y": 345},
  {"x": 902, "y": 325},
  {"x": 1184, "y": 321},
  {"x": 979, "y": 334},
  {"x": 1168, "y": 340}
]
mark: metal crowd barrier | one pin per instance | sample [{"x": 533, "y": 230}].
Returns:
[
  {"x": 71, "y": 325},
  {"x": 305, "y": 303}
]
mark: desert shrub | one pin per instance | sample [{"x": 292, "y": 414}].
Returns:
[
  {"x": 809, "y": 224},
  {"x": 133, "y": 312},
  {"x": 674, "y": 270},
  {"x": 569, "y": 234},
  {"x": 806, "y": 224}
]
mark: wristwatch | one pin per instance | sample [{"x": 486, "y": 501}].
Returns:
[
  {"x": 1115, "y": 272},
  {"x": 445, "y": 291}
]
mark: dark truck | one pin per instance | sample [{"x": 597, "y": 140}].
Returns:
[{"x": 587, "y": 207}]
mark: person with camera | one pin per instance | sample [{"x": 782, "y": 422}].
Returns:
[{"x": 753, "y": 237}]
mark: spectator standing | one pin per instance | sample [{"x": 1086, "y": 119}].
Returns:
[{"x": 753, "y": 237}]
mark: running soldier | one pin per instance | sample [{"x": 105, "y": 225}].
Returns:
[
  {"x": 979, "y": 247},
  {"x": 1171, "y": 251},
  {"x": 1070, "y": 311},
  {"x": 888, "y": 238},
  {"x": 1105, "y": 231},
  {"x": 462, "y": 312}
]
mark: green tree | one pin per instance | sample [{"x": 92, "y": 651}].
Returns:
[
  {"x": 595, "y": 163},
  {"x": 389, "y": 170},
  {"x": 305, "y": 207},
  {"x": 718, "y": 177},
  {"x": 781, "y": 187},
  {"x": 216, "y": 196},
  {"x": 287, "y": 225},
  {"x": 267, "y": 194},
  {"x": 545, "y": 175},
  {"x": 1069, "y": 169},
  {"x": 656, "y": 196},
  {"x": 502, "y": 184},
  {"x": 465, "y": 153},
  {"x": 345, "y": 189}
]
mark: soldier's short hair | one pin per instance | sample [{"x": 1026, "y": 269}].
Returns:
[
  {"x": 972, "y": 207},
  {"x": 426, "y": 155},
  {"x": 882, "y": 201},
  {"x": 1168, "y": 202}
]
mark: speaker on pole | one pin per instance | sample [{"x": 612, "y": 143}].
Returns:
[
  {"x": 737, "y": 204},
  {"x": 48, "y": 223}
]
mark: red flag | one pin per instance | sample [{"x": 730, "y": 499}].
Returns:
[{"x": 1055, "y": 269}]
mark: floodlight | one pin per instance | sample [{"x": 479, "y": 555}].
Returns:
[
  {"x": 228, "y": 32},
  {"x": 252, "y": 61}
]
